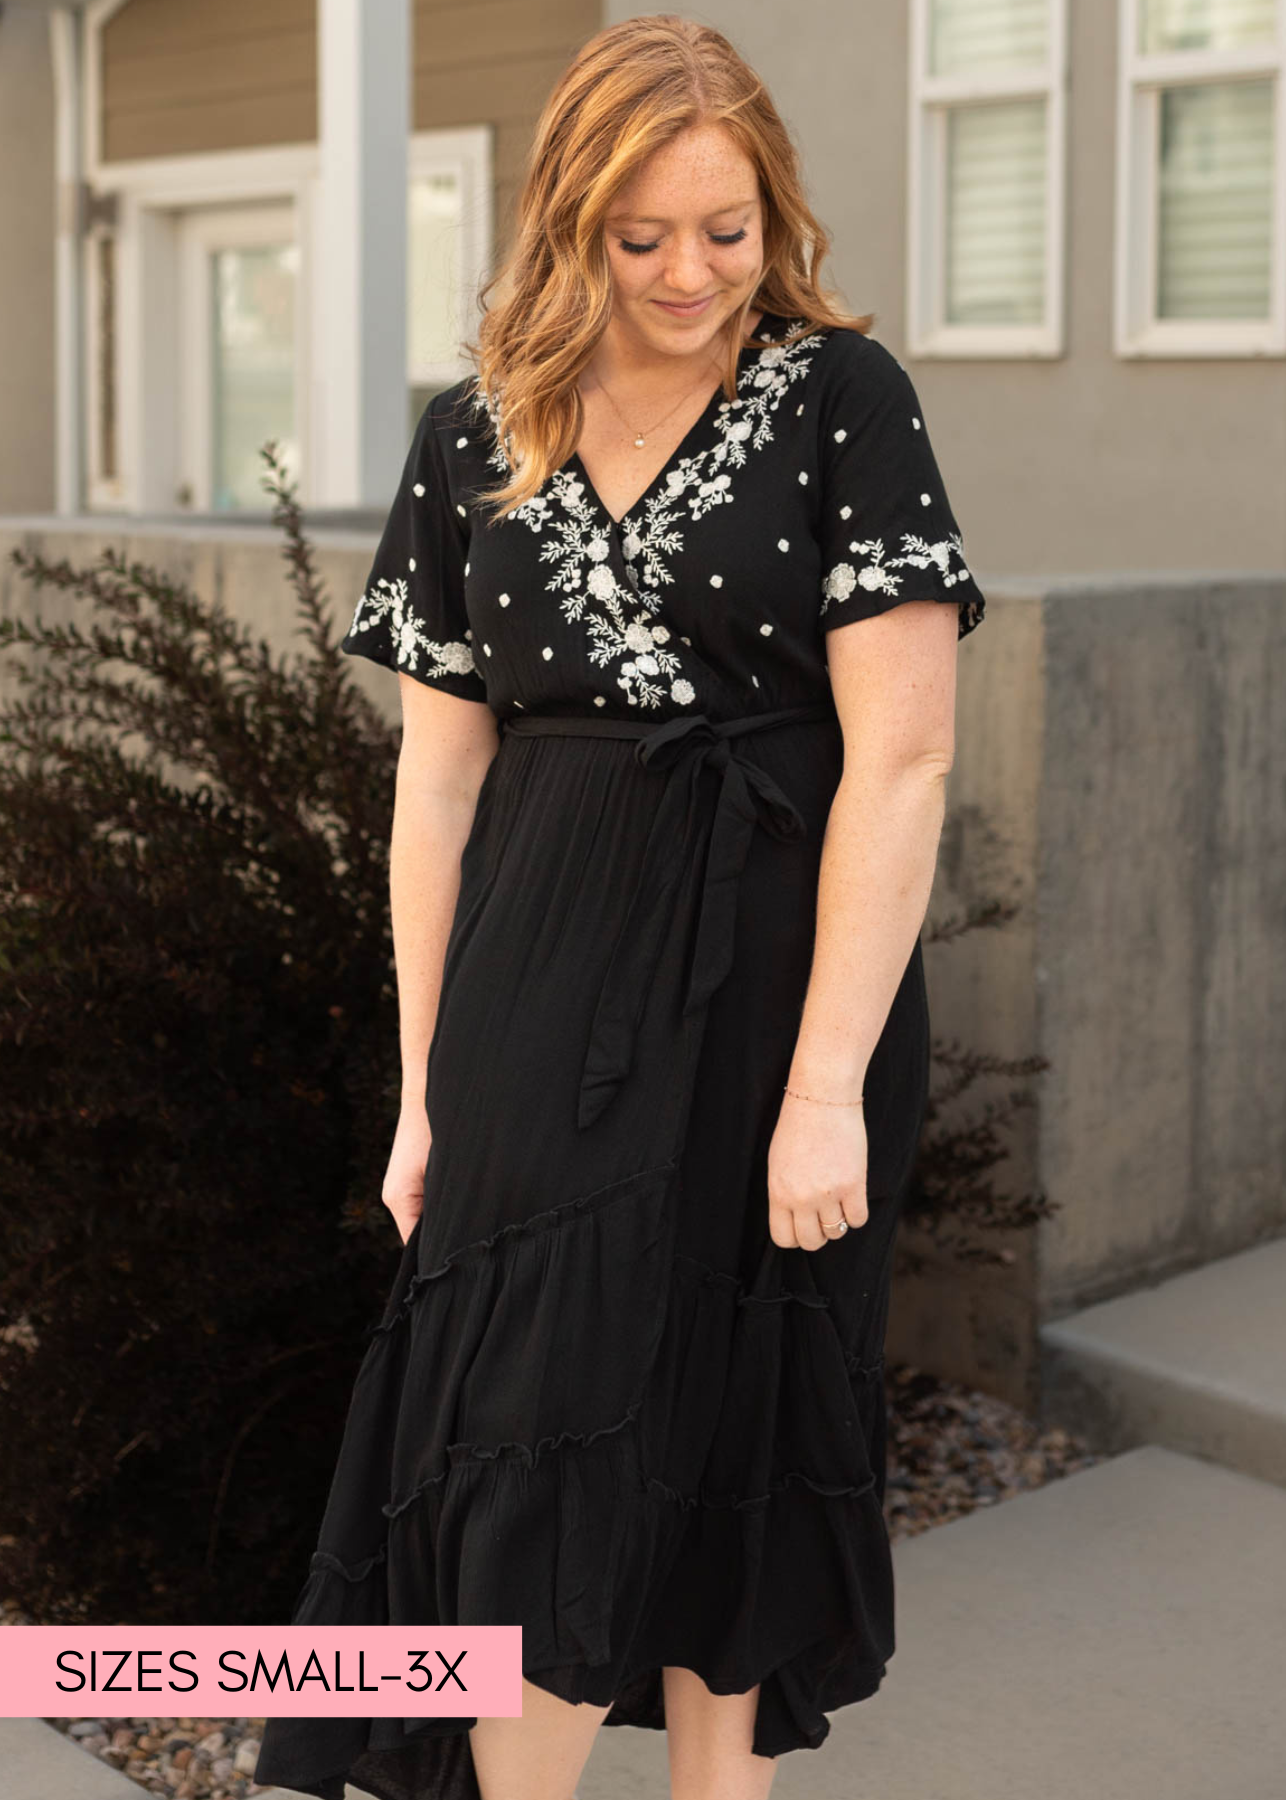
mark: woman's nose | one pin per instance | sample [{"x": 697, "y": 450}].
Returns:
[{"x": 687, "y": 267}]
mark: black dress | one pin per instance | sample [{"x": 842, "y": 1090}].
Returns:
[{"x": 601, "y": 1403}]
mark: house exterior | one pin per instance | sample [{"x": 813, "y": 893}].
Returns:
[
  {"x": 1069, "y": 217},
  {"x": 252, "y": 223}
]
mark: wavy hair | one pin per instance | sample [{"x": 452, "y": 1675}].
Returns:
[{"x": 630, "y": 89}]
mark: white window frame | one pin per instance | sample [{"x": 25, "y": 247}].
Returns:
[
  {"x": 1138, "y": 332},
  {"x": 150, "y": 194},
  {"x": 931, "y": 98},
  {"x": 465, "y": 153}
]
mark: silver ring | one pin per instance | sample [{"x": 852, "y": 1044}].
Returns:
[{"x": 839, "y": 1228}]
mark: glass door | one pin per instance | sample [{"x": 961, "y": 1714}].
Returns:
[{"x": 239, "y": 372}]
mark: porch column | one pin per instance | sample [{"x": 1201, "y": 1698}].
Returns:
[{"x": 359, "y": 362}]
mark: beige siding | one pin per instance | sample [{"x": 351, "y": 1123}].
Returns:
[
  {"x": 182, "y": 76},
  {"x": 27, "y": 203},
  {"x": 494, "y": 62}
]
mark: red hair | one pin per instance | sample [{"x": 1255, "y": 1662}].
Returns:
[{"x": 629, "y": 90}]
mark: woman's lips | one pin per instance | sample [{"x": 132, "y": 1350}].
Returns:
[{"x": 687, "y": 310}]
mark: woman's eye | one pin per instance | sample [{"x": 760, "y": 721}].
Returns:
[{"x": 733, "y": 237}]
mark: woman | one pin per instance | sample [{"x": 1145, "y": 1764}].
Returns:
[{"x": 664, "y": 839}]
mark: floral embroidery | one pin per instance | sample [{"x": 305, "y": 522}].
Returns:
[
  {"x": 702, "y": 482},
  {"x": 621, "y": 629},
  {"x": 390, "y": 600},
  {"x": 878, "y": 576},
  {"x": 621, "y": 624}
]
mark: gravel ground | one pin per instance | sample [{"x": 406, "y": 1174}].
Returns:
[{"x": 951, "y": 1450}]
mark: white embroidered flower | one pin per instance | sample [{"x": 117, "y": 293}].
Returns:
[
  {"x": 870, "y": 579},
  {"x": 457, "y": 659},
  {"x": 839, "y": 584},
  {"x": 631, "y": 543},
  {"x": 598, "y": 549},
  {"x": 647, "y": 665},
  {"x": 601, "y": 583},
  {"x": 660, "y": 634},
  {"x": 638, "y": 637},
  {"x": 683, "y": 692}
]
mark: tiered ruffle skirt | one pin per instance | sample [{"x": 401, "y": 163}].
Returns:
[{"x": 600, "y": 1402}]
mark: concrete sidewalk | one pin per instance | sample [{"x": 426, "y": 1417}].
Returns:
[
  {"x": 1120, "y": 1634},
  {"x": 1197, "y": 1363}
]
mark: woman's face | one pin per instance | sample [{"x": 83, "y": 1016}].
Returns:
[{"x": 685, "y": 242}]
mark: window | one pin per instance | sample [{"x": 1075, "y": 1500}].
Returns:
[
  {"x": 240, "y": 366},
  {"x": 103, "y": 459},
  {"x": 986, "y": 169},
  {"x": 1201, "y": 223},
  {"x": 448, "y": 241}
]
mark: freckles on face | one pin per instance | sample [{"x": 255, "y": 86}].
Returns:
[{"x": 687, "y": 227}]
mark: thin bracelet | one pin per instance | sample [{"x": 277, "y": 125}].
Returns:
[{"x": 821, "y": 1102}]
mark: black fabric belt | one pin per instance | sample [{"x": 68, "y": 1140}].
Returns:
[{"x": 747, "y": 797}]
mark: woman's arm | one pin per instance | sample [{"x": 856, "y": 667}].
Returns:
[
  {"x": 893, "y": 679},
  {"x": 447, "y": 747}
]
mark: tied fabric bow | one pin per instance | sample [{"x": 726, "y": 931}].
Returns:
[{"x": 747, "y": 797}]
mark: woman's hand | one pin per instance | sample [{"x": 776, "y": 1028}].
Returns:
[
  {"x": 816, "y": 1173},
  {"x": 404, "y": 1179}
]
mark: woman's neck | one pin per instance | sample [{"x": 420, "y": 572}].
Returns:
[{"x": 624, "y": 364}]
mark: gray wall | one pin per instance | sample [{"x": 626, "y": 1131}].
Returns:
[
  {"x": 1082, "y": 463},
  {"x": 1121, "y": 777},
  {"x": 27, "y": 263}
]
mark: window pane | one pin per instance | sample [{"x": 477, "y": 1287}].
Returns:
[
  {"x": 1215, "y": 221},
  {"x": 253, "y": 389},
  {"x": 995, "y": 250},
  {"x": 1205, "y": 24},
  {"x": 433, "y": 271},
  {"x": 968, "y": 35}
]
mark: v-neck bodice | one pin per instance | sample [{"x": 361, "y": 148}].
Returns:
[
  {"x": 809, "y": 499},
  {"x": 770, "y": 324}
]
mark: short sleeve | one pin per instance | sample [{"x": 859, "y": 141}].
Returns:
[
  {"x": 411, "y": 615},
  {"x": 887, "y": 531}
]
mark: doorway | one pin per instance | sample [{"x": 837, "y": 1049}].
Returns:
[{"x": 240, "y": 368}]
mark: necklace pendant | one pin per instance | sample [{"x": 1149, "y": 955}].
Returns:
[{"x": 638, "y": 443}]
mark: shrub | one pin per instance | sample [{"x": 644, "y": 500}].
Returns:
[{"x": 198, "y": 1080}]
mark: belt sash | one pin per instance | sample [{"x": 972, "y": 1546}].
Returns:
[{"x": 746, "y": 797}]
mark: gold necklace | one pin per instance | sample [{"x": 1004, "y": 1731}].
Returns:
[{"x": 639, "y": 440}]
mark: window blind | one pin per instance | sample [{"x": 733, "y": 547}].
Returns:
[
  {"x": 1170, "y": 25},
  {"x": 1215, "y": 200},
  {"x": 968, "y": 36},
  {"x": 995, "y": 223}
]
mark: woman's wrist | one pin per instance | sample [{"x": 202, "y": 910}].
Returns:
[
  {"x": 831, "y": 1093},
  {"x": 834, "y": 1077},
  {"x": 414, "y": 1084}
]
